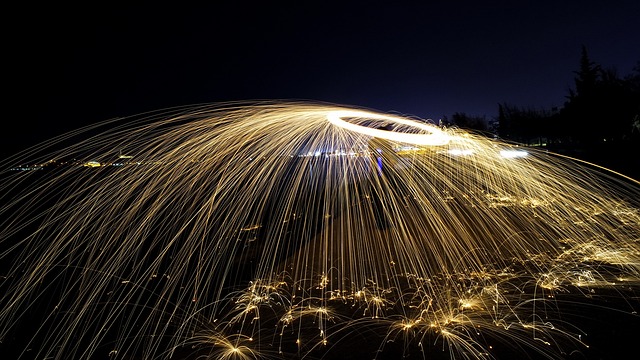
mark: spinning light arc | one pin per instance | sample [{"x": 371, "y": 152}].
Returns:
[{"x": 433, "y": 137}]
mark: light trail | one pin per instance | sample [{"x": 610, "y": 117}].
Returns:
[
  {"x": 265, "y": 230},
  {"x": 434, "y": 136}
]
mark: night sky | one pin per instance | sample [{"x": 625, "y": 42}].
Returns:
[{"x": 68, "y": 66}]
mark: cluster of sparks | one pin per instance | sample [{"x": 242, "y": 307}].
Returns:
[{"x": 268, "y": 231}]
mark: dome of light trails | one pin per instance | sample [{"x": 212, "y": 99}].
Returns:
[{"x": 305, "y": 230}]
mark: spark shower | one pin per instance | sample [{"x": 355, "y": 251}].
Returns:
[{"x": 305, "y": 230}]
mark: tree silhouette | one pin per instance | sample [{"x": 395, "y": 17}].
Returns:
[
  {"x": 603, "y": 106},
  {"x": 599, "y": 122},
  {"x": 587, "y": 76},
  {"x": 462, "y": 120},
  {"x": 526, "y": 125}
]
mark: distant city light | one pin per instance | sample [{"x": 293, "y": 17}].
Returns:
[
  {"x": 460, "y": 152},
  {"x": 92, "y": 164},
  {"x": 510, "y": 154}
]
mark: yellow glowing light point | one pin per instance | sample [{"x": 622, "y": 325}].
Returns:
[
  {"x": 434, "y": 137},
  {"x": 407, "y": 326},
  {"x": 92, "y": 164}
]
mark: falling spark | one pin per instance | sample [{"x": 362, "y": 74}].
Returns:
[{"x": 268, "y": 230}]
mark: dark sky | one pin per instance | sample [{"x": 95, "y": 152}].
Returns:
[{"x": 70, "y": 66}]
